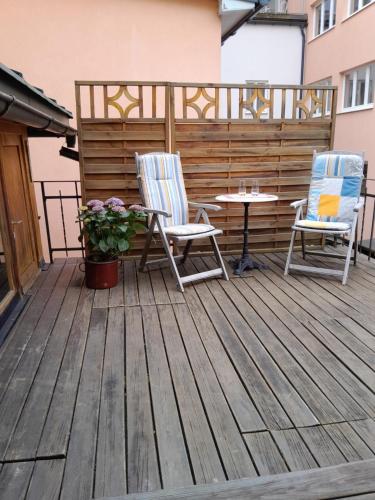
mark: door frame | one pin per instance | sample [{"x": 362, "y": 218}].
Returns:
[{"x": 8, "y": 128}]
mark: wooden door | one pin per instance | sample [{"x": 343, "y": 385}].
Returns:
[{"x": 16, "y": 192}]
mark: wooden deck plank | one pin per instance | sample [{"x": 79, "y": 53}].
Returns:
[
  {"x": 101, "y": 298},
  {"x": 17, "y": 341},
  {"x": 264, "y": 452},
  {"x": 348, "y": 442},
  {"x": 315, "y": 484},
  {"x": 25, "y": 440},
  {"x": 203, "y": 454},
  {"x": 366, "y": 430},
  {"x": 173, "y": 457},
  {"x": 265, "y": 400},
  {"x": 241, "y": 404},
  {"x": 55, "y": 436},
  {"x": 110, "y": 469},
  {"x": 14, "y": 480},
  {"x": 235, "y": 457},
  {"x": 146, "y": 296},
  {"x": 175, "y": 296},
  {"x": 159, "y": 288},
  {"x": 142, "y": 462},
  {"x": 292, "y": 334},
  {"x": 22, "y": 379},
  {"x": 116, "y": 294},
  {"x": 283, "y": 343},
  {"x": 294, "y": 450},
  {"x": 322, "y": 446},
  {"x": 80, "y": 462},
  {"x": 131, "y": 297},
  {"x": 46, "y": 480},
  {"x": 364, "y": 396},
  {"x": 285, "y": 389}
]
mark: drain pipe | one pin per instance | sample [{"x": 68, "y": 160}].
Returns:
[
  {"x": 303, "y": 36},
  {"x": 18, "y": 111}
]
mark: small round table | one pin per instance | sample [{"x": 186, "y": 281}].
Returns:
[{"x": 246, "y": 262}]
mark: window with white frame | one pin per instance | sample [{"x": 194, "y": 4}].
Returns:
[
  {"x": 355, "y": 5},
  {"x": 359, "y": 87},
  {"x": 325, "y": 16},
  {"x": 328, "y": 96}
]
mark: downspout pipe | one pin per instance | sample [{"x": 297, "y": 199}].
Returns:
[
  {"x": 303, "y": 36},
  {"x": 18, "y": 111}
]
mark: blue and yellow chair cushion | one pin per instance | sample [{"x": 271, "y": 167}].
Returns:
[
  {"x": 162, "y": 186},
  {"x": 335, "y": 187}
]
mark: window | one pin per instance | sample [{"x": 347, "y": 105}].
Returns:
[
  {"x": 325, "y": 16},
  {"x": 258, "y": 103},
  {"x": 359, "y": 87},
  {"x": 355, "y": 5},
  {"x": 328, "y": 96}
]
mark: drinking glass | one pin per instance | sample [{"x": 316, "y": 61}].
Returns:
[
  {"x": 242, "y": 187},
  {"x": 255, "y": 188}
]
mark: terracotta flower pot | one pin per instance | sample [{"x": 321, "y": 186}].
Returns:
[{"x": 101, "y": 274}]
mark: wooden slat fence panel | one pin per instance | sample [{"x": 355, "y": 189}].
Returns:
[{"x": 223, "y": 132}]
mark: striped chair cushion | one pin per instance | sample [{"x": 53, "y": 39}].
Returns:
[
  {"x": 162, "y": 186},
  {"x": 335, "y": 187}
]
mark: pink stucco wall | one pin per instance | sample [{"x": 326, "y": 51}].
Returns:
[
  {"x": 56, "y": 42},
  {"x": 350, "y": 43}
]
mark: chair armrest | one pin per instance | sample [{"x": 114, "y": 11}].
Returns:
[
  {"x": 359, "y": 205},
  {"x": 157, "y": 212},
  {"x": 205, "y": 206},
  {"x": 299, "y": 203}
]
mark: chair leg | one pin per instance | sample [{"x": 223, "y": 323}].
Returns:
[
  {"x": 348, "y": 255},
  {"x": 303, "y": 245},
  {"x": 171, "y": 259},
  {"x": 218, "y": 257},
  {"x": 289, "y": 258},
  {"x": 147, "y": 244},
  {"x": 186, "y": 250}
]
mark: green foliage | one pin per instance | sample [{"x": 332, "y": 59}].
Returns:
[{"x": 108, "y": 230}]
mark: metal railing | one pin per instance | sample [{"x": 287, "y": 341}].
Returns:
[
  {"x": 284, "y": 7},
  {"x": 61, "y": 237},
  {"x": 54, "y": 221}
]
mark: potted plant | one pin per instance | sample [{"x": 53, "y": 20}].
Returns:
[{"x": 107, "y": 229}]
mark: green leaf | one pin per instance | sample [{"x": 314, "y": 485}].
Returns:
[
  {"x": 123, "y": 245},
  {"x": 93, "y": 239},
  {"x": 138, "y": 226},
  {"x": 103, "y": 246},
  {"x": 122, "y": 227},
  {"x": 111, "y": 241}
]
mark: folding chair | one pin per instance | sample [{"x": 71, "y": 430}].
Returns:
[
  {"x": 162, "y": 188},
  {"x": 332, "y": 208}
]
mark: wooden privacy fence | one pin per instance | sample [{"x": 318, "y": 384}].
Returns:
[{"x": 223, "y": 132}]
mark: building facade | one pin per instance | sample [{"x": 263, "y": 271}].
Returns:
[{"x": 340, "y": 50}]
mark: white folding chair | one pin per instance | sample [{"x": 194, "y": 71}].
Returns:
[
  {"x": 163, "y": 191},
  {"x": 332, "y": 208}
]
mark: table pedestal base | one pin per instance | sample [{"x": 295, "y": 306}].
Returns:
[{"x": 245, "y": 263}]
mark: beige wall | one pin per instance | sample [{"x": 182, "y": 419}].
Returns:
[
  {"x": 55, "y": 42},
  {"x": 350, "y": 43}
]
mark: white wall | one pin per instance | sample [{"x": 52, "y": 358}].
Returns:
[{"x": 262, "y": 52}]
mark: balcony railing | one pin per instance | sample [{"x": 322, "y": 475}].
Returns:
[
  {"x": 285, "y": 7},
  {"x": 58, "y": 202}
]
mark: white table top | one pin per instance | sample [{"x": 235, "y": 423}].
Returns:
[{"x": 246, "y": 198}]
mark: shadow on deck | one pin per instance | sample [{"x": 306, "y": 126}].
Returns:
[{"x": 258, "y": 376}]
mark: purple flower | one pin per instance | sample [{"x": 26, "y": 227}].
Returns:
[
  {"x": 114, "y": 202},
  {"x": 117, "y": 208},
  {"x": 98, "y": 209},
  {"x": 94, "y": 203},
  {"x": 136, "y": 208}
]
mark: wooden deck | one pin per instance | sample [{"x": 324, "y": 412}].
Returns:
[{"x": 143, "y": 388}]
